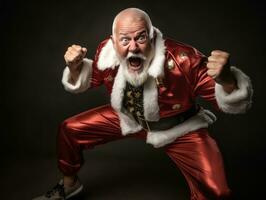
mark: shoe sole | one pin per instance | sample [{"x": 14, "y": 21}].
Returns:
[{"x": 75, "y": 192}]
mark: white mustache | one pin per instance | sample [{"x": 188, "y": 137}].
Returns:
[{"x": 136, "y": 55}]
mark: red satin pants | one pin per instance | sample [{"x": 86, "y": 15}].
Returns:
[{"x": 195, "y": 154}]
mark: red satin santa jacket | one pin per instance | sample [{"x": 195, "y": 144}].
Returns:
[{"x": 184, "y": 79}]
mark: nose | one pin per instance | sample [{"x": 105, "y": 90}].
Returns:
[{"x": 133, "y": 46}]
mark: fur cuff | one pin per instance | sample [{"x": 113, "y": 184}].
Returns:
[
  {"x": 238, "y": 101},
  {"x": 83, "y": 82},
  {"x": 201, "y": 120}
]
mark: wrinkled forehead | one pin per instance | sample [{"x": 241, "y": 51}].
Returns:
[
  {"x": 130, "y": 25},
  {"x": 133, "y": 30}
]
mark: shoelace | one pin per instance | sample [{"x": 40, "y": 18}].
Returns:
[{"x": 58, "y": 188}]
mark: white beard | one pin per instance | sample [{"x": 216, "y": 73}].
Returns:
[{"x": 137, "y": 79}]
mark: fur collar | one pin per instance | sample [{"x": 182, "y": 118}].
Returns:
[{"x": 150, "y": 103}]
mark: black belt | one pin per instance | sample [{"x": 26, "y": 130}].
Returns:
[{"x": 168, "y": 122}]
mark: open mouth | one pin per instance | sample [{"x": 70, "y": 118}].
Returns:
[{"x": 135, "y": 63}]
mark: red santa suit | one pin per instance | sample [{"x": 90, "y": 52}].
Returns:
[{"x": 177, "y": 75}]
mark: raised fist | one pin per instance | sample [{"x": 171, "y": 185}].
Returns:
[
  {"x": 73, "y": 57},
  {"x": 218, "y": 63},
  {"x": 219, "y": 69}
]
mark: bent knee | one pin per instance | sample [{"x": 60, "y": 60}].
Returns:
[{"x": 69, "y": 126}]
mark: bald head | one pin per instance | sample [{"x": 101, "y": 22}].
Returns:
[{"x": 130, "y": 16}]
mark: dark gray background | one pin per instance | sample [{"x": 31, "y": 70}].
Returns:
[{"x": 34, "y": 37}]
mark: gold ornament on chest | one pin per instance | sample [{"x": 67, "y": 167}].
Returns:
[
  {"x": 170, "y": 64},
  {"x": 109, "y": 78}
]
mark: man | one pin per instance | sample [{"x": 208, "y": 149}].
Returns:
[{"x": 153, "y": 84}]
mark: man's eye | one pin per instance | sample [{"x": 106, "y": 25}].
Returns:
[
  {"x": 124, "y": 41},
  {"x": 142, "y": 39}
]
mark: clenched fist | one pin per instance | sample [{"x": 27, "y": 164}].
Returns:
[
  {"x": 219, "y": 69},
  {"x": 73, "y": 57}
]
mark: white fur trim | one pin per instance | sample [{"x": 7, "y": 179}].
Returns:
[
  {"x": 83, "y": 82},
  {"x": 156, "y": 68},
  {"x": 127, "y": 122},
  {"x": 117, "y": 94},
  {"x": 108, "y": 57},
  {"x": 150, "y": 100},
  {"x": 201, "y": 120},
  {"x": 238, "y": 101}
]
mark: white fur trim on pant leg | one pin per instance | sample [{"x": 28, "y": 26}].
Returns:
[
  {"x": 83, "y": 82},
  {"x": 239, "y": 100},
  {"x": 201, "y": 120}
]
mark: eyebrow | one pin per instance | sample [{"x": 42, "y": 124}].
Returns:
[
  {"x": 138, "y": 34},
  {"x": 141, "y": 33}
]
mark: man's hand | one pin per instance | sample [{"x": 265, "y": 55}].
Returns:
[
  {"x": 73, "y": 57},
  {"x": 219, "y": 69}
]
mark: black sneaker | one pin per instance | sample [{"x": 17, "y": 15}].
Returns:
[{"x": 59, "y": 192}]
